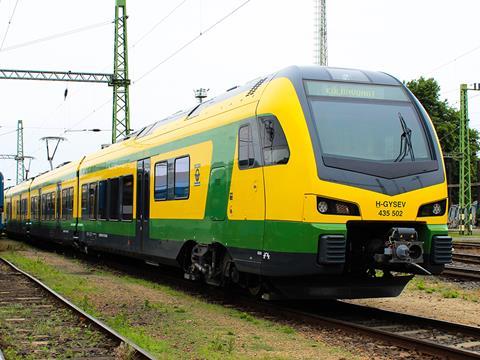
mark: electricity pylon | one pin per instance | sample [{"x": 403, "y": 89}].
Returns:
[
  {"x": 121, "y": 82},
  {"x": 118, "y": 80},
  {"x": 20, "y": 159},
  {"x": 465, "y": 180},
  {"x": 320, "y": 33}
]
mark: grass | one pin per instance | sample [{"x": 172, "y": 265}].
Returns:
[
  {"x": 183, "y": 327},
  {"x": 443, "y": 289}
]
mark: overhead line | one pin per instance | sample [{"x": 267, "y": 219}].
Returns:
[
  {"x": 8, "y": 132},
  {"x": 158, "y": 23},
  {"x": 192, "y": 40},
  {"x": 455, "y": 59},
  {"x": 56, "y": 36},
  {"x": 9, "y": 23}
]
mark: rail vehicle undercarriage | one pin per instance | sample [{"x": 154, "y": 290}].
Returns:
[{"x": 374, "y": 260}]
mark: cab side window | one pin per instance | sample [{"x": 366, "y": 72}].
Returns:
[
  {"x": 274, "y": 142},
  {"x": 246, "y": 155}
]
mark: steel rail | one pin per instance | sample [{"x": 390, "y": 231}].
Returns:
[
  {"x": 466, "y": 244},
  {"x": 464, "y": 273},
  {"x": 467, "y": 258},
  {"x": 404, "y": 341},
  {"x": 139, "y": 352}
]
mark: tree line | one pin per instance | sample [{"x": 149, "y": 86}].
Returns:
[{"x": 446, "y": 120}]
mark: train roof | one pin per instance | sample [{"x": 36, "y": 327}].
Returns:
[{"x": 232, "y": 98}]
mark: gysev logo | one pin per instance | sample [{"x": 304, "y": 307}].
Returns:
[
  {"x": 390, "y": 208},
  {"x": 197, "y": 175}
]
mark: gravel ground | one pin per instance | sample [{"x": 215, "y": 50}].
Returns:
[
  {"x": 179, "y": 325},
  {"x": 435, "y": 297}
]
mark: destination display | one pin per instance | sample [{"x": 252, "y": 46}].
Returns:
[{"x": 352, "y": 90}]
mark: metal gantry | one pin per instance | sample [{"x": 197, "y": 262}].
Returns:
[
  {"x": 320, "y": 33},
  {"x": 118, "y": 80},
  {"x": 465, "y": 180},
  {"x": 56, "y": 76},
  {"x": 121, "y": 82}
]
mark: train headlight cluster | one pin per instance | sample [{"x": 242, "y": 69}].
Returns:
[
  {"x": 336, "y": 207},
  {"x": 437, "y": 208},
  {"x": 322, "y": 207}
]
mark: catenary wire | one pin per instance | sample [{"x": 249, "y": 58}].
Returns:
[
  {"x": 455, "y": 59},
  {"x": 56, "y": 36},
  {"x": 141, "y": 38},
  {"x": 9, "y": 23},
  {"x": 192, "y": 41}
]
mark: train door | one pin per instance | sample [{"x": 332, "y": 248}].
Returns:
[
  {"x": 246, "y": 205},
  {"x": 143, "y": 203}
]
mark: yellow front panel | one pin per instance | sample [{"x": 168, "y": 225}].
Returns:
[{"x": 286, "y": 185}]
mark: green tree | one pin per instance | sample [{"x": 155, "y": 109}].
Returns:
[{"x": 446, "y": 120}]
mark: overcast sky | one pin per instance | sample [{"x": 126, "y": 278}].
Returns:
[{"x": 406, "y": 38}]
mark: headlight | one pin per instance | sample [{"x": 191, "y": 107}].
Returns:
[
  {"x": 437, "y": 208},
  {"x": 336, "y": 207}
]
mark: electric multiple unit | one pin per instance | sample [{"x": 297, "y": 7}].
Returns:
[
  {"x": 311, "y": 182},
  {"x": 2, "y": 224}
]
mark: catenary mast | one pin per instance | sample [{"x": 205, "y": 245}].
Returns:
[{"x": 320, "y": 33}]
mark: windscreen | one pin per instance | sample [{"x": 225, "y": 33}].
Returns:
[{"x": 366, "y": 122}]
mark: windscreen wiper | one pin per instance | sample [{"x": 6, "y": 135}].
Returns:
[{"x": 405, "y": 141}]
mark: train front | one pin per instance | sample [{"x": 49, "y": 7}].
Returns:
[{"x": 378, "y": 199}]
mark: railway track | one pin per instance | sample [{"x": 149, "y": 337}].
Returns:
[
  {"x": 412, "y": 333},
  {"x": 37, "y": 322},
  {"x": 466, "y": 245},
  {"x": 415, "y": 334},
  {"x": 425, "y": 335},
  {"x": 466, "y": 258},
  {"x": 464, "y": 266}
]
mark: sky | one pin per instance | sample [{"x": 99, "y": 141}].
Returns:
[{"x": 406, "y": 38}]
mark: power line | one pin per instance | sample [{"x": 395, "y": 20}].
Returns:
[
  {"x": 192, "y": 40},
  {"x": 9, "y": 23},
  {"x": 8, "y": 132},
  {"x": 56, "y": 36},
  {"x": 455, "y": 59},
  {"x": 158, "y": 23}
]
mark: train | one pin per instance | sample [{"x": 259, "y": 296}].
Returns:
[
  {"x": 310, "y": 182},
  {"x": 2, "y": 186}
]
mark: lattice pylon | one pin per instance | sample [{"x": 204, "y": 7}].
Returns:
[
  {"x": 20, "y": 156},
  {"x": 465, "y": 189},
  {"x": 121, "y": 82},
  {"x": 320, "y": 33}
]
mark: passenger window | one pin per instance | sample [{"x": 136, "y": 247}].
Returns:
[
  {"x": 43, "y": 205},
  {"x": 92, "y": 199},
  {"x": 52, "y": 215},
  {"x": 182, "y": 177},
  {"x": 85, "y": 202},
  {"x": 64, "y": 204},
  {"x": 70, "y": 203},
  {"x": 127, "y": 197},
  {"x": 246, "y": 157},
  {"x": 114, "y": 203},
  {"x": 161, "y": 181},
  {"x": 275, "y": 146},
  {"x": 102, "y": 200}
]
